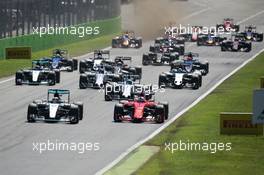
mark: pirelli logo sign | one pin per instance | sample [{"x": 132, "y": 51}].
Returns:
[
  {"x": 18, "y": 53},
  {"x": 239, "y": 123}
]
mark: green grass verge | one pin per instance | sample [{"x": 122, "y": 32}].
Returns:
[
  {"x": 9, "y": 67},
  {"x": 201, "y": 124}
]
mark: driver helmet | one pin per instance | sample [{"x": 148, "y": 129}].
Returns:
[
  {"x": 141, "y": 99},
  {"x": 56, "y": 98},
  {"x": 250, "y": 29},
  {"x": 190, "y": 56},
  {"x": 99, "y": 55}
]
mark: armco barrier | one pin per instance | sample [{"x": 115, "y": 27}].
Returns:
[{"x": 38, "y": 43}]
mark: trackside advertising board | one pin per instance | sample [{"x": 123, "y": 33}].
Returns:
[
  {"x": 239, "y": 123},
  {"x": 258, "y": 106},
  {"x": 18, "y": 53}
]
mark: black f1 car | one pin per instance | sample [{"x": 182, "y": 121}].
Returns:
[
  {"x": 127, "y": 40},
  {"x": 126, "y": 90},
  {"x": 179, "y": 78},
  {"x": 228, "y": 25},
  {"x": 191, "y": 63},
  {"x": 92, "y": 64},
  {"x": 237, "y": 43},
  {"x": 251, "y": 34},
  {"x": 62, "y": 61},
  {"x": 170, "y": 44},
  {"x": 97, "y": 79},
  {"x": 141, "y": 110},
  {"x": 40, "y": 73},
  {"x": 55, "y": 108},
  {"x": 209, "y": 40},
  {"x": 159, "y": 59},
  {"x": 121, "y": 65}
]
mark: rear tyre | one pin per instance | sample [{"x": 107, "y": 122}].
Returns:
[
  {"x": 82, "y": 67},
  {"x": 51, "y": 79},
  {"x": 160, "y": 114},
  {"x": 71, "y": 65},
  {"x": 32, "y": 113},
  {"x": 74, "y": 115},
  {"x": 80, "y": 106},
  {"x": 57, "y": 73},
  {"x": 83, "y": 82},
  {"x": 166, "y": 109},
  {"x": 162, "y": 81},
  {"x": 196, "y": 83},
  {"x": 19, "y": 77},
  {"x": 118, "y": 112},
  {"x": 145, "y": 60}
]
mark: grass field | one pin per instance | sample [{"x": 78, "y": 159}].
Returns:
[
  {"x": 201, "y": 124},
  {"x": 9, "y": 67}
]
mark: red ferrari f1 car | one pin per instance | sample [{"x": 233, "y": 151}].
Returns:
[{"x": 141, "y": 110}]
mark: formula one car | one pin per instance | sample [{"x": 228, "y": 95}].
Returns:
[
  {"x": 92, "y": 64},
  {"x": 237, "y": 43},
  {"x": 127, "y": 40},
  {"x": 191, "y": 63},
  {"x": 170, "y": 44},
  {"x": 159, "y": 59},
  {"x": 61, "y": 60},
  {"x": 126, "y": 90},
  {"x": 251, "y": 34},
  {"x": 209, "y": 40},
  {"x": 56, "y": 108},
  {"x": 179, "y": 78},
  {"x": 121, "y": 65},
  {"x": 228, "y": 26},
  {"x": 141, "y": 110},
  {"x": 97, "y": 79},
  {"x": 193, "y": 36},
  {"x": 40, "y": 73}
]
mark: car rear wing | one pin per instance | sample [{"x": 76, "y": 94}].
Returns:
[
  {"x": 126, "y": 76},
  {"x": 123, "y": 58},
  {"x": 59, "y": 92},
  {"x": 103, "y": 52},
  {"x": 254, "y": 28},
  {"x": 44, "y": 62}
]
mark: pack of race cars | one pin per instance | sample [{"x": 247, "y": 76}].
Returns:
[{"x": 121, "y": 81}]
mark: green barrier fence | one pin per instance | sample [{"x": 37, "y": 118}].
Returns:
[{"x": 46, "y": 41}]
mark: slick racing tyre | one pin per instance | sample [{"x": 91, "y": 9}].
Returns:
[
  {"x": 160, "y": 114},
  {"x": 74, "y": 115},
  {"x": 118, "y": 112},
  {"x": 32, "y": 113}
]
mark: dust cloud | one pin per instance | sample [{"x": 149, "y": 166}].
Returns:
[{"x": 151, "y": 16}]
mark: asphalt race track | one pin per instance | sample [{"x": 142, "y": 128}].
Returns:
[{"x": 16, "y": 135}]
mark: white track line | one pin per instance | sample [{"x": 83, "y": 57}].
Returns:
[
  {"x": 132, "y": 148},
  {"x": 7, "y": 80},
  {"x": 251, "y": 17},
  {"x": 195, "y": 13}
]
